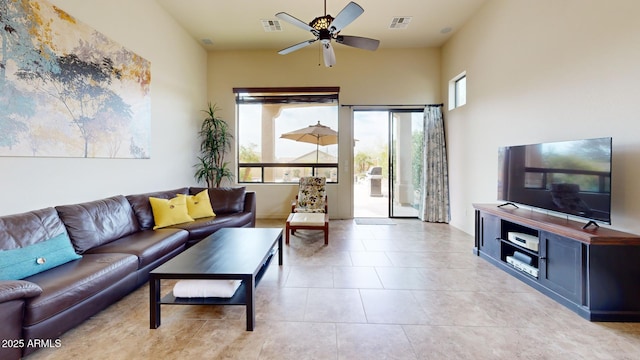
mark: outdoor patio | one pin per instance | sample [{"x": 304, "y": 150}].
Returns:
[{"x": 365, "y": 205}]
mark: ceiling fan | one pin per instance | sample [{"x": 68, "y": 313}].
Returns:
[{"x": 325, "y": 28}]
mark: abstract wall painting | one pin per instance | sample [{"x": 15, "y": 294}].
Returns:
[{"x": 67, "y": 90}]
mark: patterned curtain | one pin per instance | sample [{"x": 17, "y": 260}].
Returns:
[{"x": 434, "y": 206}]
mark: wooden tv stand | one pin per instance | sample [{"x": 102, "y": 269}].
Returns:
[{"x": 595, "y": 272}]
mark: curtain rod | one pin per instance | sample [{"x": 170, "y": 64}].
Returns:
[{"x": 416, "y": 105}]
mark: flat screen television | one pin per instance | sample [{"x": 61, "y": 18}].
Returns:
[{"x": 568, "y": 177}]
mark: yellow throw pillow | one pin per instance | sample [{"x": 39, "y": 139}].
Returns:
[
  {"x": 199, "y": 205},
  {"x": 168, "y": 212}
]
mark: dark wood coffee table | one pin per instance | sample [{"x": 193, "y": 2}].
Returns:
[{"x": 231, "y": 253}]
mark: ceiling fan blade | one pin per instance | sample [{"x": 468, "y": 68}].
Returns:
[
  {"x": 294, "y": 21},
  {"x": 329, "y": 55},
  {"x": 345, "y": 17},
  {"x": 358, "y": 42},
  {"x": 295, "y": 47}
]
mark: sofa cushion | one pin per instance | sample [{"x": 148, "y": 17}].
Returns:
[
  {"x": 224, "y": 199},
  {"x": 142, "y": 207},
  {"x": 201, "y": 228},
  {"x": 21, "y": 230},
  {"x": 169, "y": 211},
  {"x": 69, "y": 284},
  {"x": 147, "y": 245},
  {"x": 98, "y": 222},
  {"x": 199, "y": 205},
  {"x": 20, "y": 263}
]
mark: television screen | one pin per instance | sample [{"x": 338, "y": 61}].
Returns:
[{"x": 570, "y": 177}]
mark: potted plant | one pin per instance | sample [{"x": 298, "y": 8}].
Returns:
[{"x": 215, "y": 141}]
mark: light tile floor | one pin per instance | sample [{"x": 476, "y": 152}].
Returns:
[{"x": 407, "y": 291}]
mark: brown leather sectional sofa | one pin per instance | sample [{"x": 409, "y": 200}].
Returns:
[{"x": 119, "y": 248}]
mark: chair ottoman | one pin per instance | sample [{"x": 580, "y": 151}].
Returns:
[{"x": 307, "y": 221}]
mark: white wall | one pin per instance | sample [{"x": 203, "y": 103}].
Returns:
[
  {"x": 398, "y": 76},
  {"x": 178, "y": 93},
  {"x": 538, "y": 71}
]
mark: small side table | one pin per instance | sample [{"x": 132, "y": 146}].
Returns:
[{"x": 307, "y": 221}]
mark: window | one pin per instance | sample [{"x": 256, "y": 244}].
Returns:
[
  {"x": 461, "y": 91},
  {"x": 272, "y": 123},
  {"x": 458, "y": 91}
]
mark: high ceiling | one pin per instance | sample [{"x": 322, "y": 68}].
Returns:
[{"x": 237, "y": 24}]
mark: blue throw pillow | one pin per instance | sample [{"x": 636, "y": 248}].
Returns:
[{"x": 16, "y": 264}]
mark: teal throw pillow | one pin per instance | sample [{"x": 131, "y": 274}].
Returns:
[{"x": 16, "y": 264}]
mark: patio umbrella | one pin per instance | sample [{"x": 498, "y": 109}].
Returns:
[{"x": 315, "y": 134}]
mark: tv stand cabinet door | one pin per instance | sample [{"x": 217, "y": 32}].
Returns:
[
  {"x": 490, "y": 230},
  {"x": 561, "y": 261}
]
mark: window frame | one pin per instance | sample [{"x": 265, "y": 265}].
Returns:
[
  {"x": 455, "y": 91},
  {"x": 285, "y": 95}
]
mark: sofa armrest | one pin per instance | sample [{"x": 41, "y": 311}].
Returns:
[
  {"x": 18, "y": 289},
  {"x": 250, "y": 205}
]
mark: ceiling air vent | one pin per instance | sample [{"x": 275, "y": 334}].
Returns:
[
  {"x": 271, "y": 25},
  {"x": 401, "y": 22}
]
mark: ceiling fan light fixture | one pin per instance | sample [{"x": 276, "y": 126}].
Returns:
[
  {"x": 325, "y": 29},
  {"x": 321, "y": 22}
]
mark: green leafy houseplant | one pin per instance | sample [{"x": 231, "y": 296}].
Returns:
[{"x": 215, "y": 141}]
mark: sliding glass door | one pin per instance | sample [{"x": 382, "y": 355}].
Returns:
[
  {"x": 387, "y": 162},
  {"x": 405, "y": 164},
  {"x": 371, "y": 164}
]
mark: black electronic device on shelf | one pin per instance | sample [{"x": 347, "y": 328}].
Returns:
[{"x": 568, "y": 177}]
